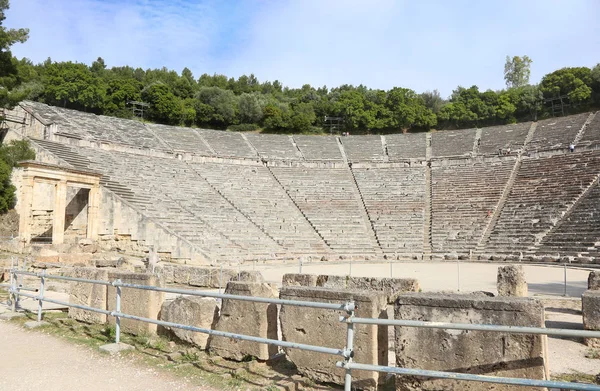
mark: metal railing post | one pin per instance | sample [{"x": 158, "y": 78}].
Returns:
[
  {"x": 565, "y": 293},
  {"x": 13, "y": 290},
  {"x": 349, "y": 350},
  {"x": 41, "y": 295},
  {"x": 118, "y": 310}
]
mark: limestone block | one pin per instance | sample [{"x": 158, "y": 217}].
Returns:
[
  {"x": 206, "y": 277},
  {"x": 322, "y": 327},
  {"x": 299, "y": 279},
  {"x": 476, "y": 352},
  {"x": 91, "y": 295},
  {"x": 191, "y": 311},
  {"x": 249, "y": 318},
  {"x": 136, "y": 302},
  {"x": 392, "y": 287},
  {"x": 594, "y": 281},
  {"x": 511, "y": 281},
  {"x": 590, "y": 303}
]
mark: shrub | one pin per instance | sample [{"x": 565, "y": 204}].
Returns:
[{"x": 243, "y": 128}]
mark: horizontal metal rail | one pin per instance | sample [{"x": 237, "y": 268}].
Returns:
[
  {"x": 63, "y": 278},
  {"x": 285, "y": 344},
  {"x": 66, "y": 304},
  {"x": 474, "y": 327},
  {"x": 297, "y": 303},
  {"x": 470, "y": 377}
]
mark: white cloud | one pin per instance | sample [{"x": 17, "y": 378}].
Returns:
[
  {"x": 138, "y": 33},
  {"x": 380, "y": 43}
]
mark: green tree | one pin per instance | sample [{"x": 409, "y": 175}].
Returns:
[
  {"x": 219, "y": 107},
  {"x": 517, "y": 71},
  {"x": 164, "y": 106},
  {"x": 9, "y": 75},
  {"x": 73, "y": 85},
  {"x": 576, "y": 83},
  {"x": 10, "y": 155}
]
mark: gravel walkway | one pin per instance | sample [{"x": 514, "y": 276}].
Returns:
[{"x": 33, "y": 361}]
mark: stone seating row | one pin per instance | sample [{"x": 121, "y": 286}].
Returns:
[
  {"x": 494, "y": 138},
  {"x": 557, "y": 133},
  {"x": 543, "y": 191},
  {"x": 395, "y": 201},
  {"x": 328, "y": 199},
  {"x": 463, "y": 200}
]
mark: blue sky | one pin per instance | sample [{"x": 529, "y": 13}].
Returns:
[{"x": 421, "y": 45}]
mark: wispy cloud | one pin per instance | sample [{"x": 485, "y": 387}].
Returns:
[{"x": 380, "y": 43}]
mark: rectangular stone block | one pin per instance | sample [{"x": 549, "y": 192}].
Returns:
[
  {"x": 511, "y": 281},
  {"x": 590, "y": 304},
  {"x": 475, "y": 352},
  {"x": 594, "y": 281},
  {"x": 136, "y": 302},
  {"x": 249, "y": 318},
  {"x": 299, "y": 279},
  {"x": 91, "y": 295},
  {"x": 201, "y": 312},
  {"x": 323, "y": 328},
  {"x": 203, "y": 276},
  {"x": 392, "y": 287}
]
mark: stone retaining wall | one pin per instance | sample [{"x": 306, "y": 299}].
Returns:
[{"x": 475, "y": 352}]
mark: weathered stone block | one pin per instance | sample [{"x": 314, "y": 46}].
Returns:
[
  {"x": 590, "y": 304},
  {"x": 511, "y": 281},
  {"x": 136, "y": 302},
  {"x": 594, "y": 281},
  {"x": 249, "y": 318},
  {"x": 475, "y": 352},
  {"x": 299, "y": 279},
  {"x": 392, "y": 287},
  {"x": 191, "y": 311},
  {"x": 91, "y": 295},
  {"x": 206, "y": 277},
  {"x": 322, "y": 327}
]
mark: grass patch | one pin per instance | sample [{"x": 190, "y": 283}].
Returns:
[
  {"x": 179, "y": 359},
  {"x": 575, "y": 377},
  {"x": 593, "y": 353}
]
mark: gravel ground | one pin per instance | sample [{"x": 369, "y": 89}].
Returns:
[{"x": 32, "y": 361}]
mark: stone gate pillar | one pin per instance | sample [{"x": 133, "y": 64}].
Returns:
[{"x": 60, "y": 205}]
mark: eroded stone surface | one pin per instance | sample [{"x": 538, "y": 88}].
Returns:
[
  {"x": 249, "y": 318},
  {"x": 392, "y": 287},
  {"x": 136, "y": 302},
  {"x": 476, "y": 352},
  {"x": 590, "y": 303},
  {"x": 594, "y": 281},
  {"x": 511, "y": 281},
  {"x": 199, "y": 312},
  {"x": 299, "y": 279},
  {"x": 92, "y": 295},
  {"x": 322, "y": 327}
]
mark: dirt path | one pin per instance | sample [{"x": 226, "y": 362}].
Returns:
[{"x": 31, "y": 361}]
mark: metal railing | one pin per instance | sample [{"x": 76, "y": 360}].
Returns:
[{"x": 348, "y": 308}]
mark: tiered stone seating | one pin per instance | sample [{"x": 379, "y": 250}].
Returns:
[
  {"x": 254, "y": 191},
  {"x": 98, "y": 128},
  {"x": 453, "y": 142},
  {"x": 591, "y": 134},
  {"x": 579, "y": 233},
  {"x": 495, "y": 138},
  {"x": 557, "y": 133},
  {"x": 542, "y": 192},
  {"x": 227, "y": 144},
  {"x": 318, "y": 147},
  {"x": 181, "y": 139},
  {"x": 463, "y": 199},
  {"x": 395, "y": 200},
  {"x": 363, "y": 148},
  {"x": 45, "y": 112},
  {"x": 274, "y": 146},
  {"x": 328, "y": 199},
  {"x": 406, "y": 146}
]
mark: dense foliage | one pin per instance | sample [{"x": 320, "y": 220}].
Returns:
[
  {"x": 10, "y": 154},
  {"x": 217, "y": 101},
  {"x": 245, "y": 103}
]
